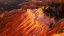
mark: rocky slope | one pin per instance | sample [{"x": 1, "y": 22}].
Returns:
[{"x": 26, "y": 23}]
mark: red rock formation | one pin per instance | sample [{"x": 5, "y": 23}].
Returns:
[{"x": 23, "y": 24}]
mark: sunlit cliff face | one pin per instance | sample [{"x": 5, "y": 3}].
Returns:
[
  {"x": 32, "y": 22},
  {"x": 41, "y": 17},
  {"x": 20, "y": 24}
]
